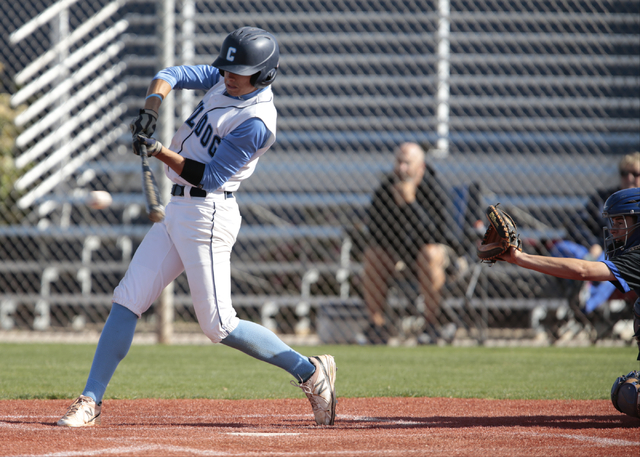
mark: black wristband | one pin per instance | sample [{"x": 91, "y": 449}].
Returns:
[{"x": 192, "y": 172}]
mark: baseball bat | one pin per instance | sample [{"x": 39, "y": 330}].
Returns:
[{"x": 155, "y": 210}]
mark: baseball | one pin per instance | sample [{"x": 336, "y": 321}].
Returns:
[{"x": 99, "y": 199}]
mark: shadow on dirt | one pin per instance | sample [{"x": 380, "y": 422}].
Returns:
[{"x": 557, "y": 422}]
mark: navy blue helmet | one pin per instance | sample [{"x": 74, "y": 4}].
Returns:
[
  {"x": 625, "y": 202},
  {"x": 250, "y": 51}
]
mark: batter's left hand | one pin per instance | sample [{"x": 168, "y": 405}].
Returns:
[{"x": 145, "y": 123}]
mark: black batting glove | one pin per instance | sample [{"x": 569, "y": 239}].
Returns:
[
  {"x": 145, "y": 123},
  {"x": 152, "y": 145}
]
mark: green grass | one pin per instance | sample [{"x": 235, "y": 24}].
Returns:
[{"x": 60, "y": 370}]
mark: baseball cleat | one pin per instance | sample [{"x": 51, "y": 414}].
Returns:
[
  {"x": 320, "y": 389},
  {"x": 82, "y": 413}
]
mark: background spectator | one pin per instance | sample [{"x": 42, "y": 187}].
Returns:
[{"x": 408, "y": 213}]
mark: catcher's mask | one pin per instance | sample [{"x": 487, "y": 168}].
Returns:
[
  {"x": 624, "y": 202},
  {"x": 625, "y": 394},
  {"x": 250, "y": 51}
]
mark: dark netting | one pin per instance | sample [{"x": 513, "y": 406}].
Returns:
[{"x": 529, "y": 104}]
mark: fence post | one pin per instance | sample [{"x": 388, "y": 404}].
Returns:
[
  {"x": 167, "y": 19},
  {"x": 442, "y": 94}
]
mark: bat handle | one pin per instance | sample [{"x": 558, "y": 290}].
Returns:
[{"x": 143, "y": 151}]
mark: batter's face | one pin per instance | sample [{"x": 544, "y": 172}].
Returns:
[{"x": 237, "y": 85}]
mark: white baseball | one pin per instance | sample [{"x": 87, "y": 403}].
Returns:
[{"x": 99, "y": 199}]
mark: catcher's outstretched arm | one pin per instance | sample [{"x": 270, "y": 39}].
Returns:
[{"x": 560, "y": 267}]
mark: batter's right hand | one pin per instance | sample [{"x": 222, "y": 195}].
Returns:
[
  {"x": 145, "y": 123},
  {"x": 153, "y": 146}
]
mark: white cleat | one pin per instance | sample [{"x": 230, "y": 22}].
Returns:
[
  {"x": 320, "y": 389},
  {"x": 82, "y": 413}
]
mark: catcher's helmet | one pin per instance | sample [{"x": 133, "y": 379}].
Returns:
[
  {"x": 250, "y": 51},
  {"x": 624, "y": 394},
  {"x": 625, "y": 202}
]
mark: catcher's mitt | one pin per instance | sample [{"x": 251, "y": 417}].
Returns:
[{"x": 499, "y": 237}]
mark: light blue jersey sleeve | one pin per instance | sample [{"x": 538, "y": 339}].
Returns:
[
  {"x": 233, "y": 152},
  {"x": 190, "y": 76}
]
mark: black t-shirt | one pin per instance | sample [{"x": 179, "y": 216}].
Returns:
[
  {"x": 404, "y": 229},
  {"x": 628, "y": 264}
]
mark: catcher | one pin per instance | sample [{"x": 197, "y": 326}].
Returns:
[{"x": 621, "y": 266}]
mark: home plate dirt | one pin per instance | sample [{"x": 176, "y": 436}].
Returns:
[{"x": 364, "y": 427}]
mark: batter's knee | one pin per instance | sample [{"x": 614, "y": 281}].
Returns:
[
  {"x": 218, "y": 332},
  {"x": 215, "y": 335}
]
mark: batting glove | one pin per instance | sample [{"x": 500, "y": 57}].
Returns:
[
  {"x": 145, "y": 123},
  {"x": 152, "y": 145}
]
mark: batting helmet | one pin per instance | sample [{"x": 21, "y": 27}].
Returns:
[
  {"x": 625, "y": 394},
  {"x": 625, "y": 202},
  {"x": 250, "y": 51}
]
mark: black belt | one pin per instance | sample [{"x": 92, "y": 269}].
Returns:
[{"x": 178, "y": 191}]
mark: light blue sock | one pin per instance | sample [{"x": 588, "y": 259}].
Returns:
[
  {"x": 259, "y": 342},
  {"x": 113, "y": 346}
]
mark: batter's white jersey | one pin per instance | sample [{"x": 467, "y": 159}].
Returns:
[{"x": 215, "y": 117}]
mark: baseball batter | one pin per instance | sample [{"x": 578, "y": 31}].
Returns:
[{"x": 215, "y": 149}]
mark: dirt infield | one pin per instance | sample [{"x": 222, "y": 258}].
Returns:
[{"x": 364, "y": 427}]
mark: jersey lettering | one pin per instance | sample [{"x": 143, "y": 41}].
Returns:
[
  {"x": 206, "y": 136},
  {"x": 231, "y": 54},
  {"x": 195, "y": 114},
  {"x": 201, "y": 123},
  {"x": 204, "y": 131},
  {"x": 214, "y": 145}
]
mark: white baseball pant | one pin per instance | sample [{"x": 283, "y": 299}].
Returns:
[{"x": 196, "y": 236}]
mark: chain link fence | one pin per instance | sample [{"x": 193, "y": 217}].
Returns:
[{"x": 530, "y": 104}]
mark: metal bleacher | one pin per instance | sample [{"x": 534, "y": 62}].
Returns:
[{"x": 542, "y": 101}]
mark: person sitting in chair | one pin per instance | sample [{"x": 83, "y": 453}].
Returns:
[{"x": 407, "y": 222}]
